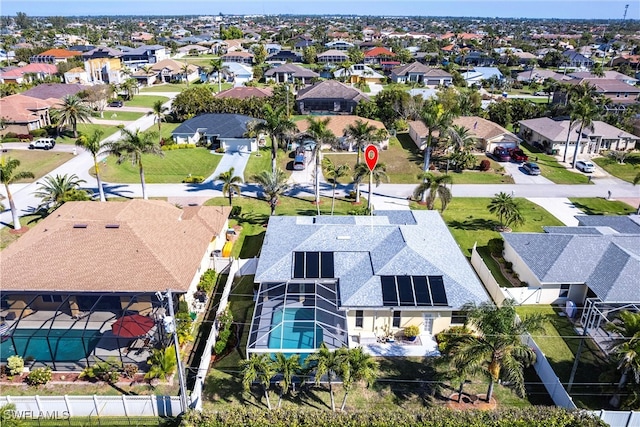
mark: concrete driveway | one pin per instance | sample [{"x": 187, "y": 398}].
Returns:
[
  {"x": 231, "y": 159},
  {"x": 559, "y": 207},
  {"x": 519, "y": 175}
]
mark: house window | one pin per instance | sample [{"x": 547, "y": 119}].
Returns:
[
  {"x": 51, "y": 298},
  {"x": 458, "y": 317},
  {"x": 564, "y": 291},
  {"x": 396, "y": 319},
  {"x": 359, "y": 318}
]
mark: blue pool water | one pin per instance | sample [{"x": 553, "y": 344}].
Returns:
[
  {"x": 294, "y": 328},
  {"x": 60, "y": 345}
]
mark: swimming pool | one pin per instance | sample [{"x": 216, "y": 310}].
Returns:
[
  {"x": 50, "y": 345},
  {"x": 294, "y": 328}
]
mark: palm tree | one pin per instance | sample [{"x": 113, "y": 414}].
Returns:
[
  {"x": 435, "y": 118},
  {"x": 378, "y": 174},
  {"x": 572, "y": 125},
  {"x": 320, "y": 132},
  {"x": 158, "y": 111},
  {"x": 496, "y": 350},
  {"x": 433, "y": 187},
  {"x": 132, "y": 145},
  {"x": 361, "y": 133},
  {"x": 163, "y": 363},
  {"x": 276, "y": 123},
  {"x": 230, "y": 183},
  {"x": 258, "y": 367},
  {"x": 287, "y": 367},
  {"x": 273, "y": 186},
  {"x": 585, "y": 111},
  {"x": 333, "y": 172},
  {"x": 217, "y": 67},
  {"x": 507, "y": 210},
  {"x": 358, "y": 366},
  {"x": 72, "y": 111},
  {"x": 9, "y": 175},
  {"x": 626, "y": 349},
  {"x": 130, "y": 87},
  {"x": 184, "y": 69},
  {"x": 327, "y": 363},
  {"x": 92, "y": 145},
  {"x": 55, "y": 190}
]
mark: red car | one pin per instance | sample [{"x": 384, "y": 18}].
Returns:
[{"x": 517, "y": 155}]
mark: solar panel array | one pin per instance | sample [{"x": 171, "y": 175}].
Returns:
[
  {"x": 413, "y": 291},
  {"x": 313, "y": 265}
]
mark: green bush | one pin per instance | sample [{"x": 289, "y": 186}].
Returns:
[
  {"x": 38, "y": 132},
  {"x": 193, "y": 179},
  {"x": 15, "y": 364},
  {"x": 207, "y": 281},
  {"x": 10, "y": 135},
  {"x": 496, "y": 246},
  {"x": 7, "y": 139},
  {"x": 171, "y": 147},
  {"x": 39, "y": 376},
  {"x": 225, "y": 319},
  {"x": 235, "y": 211},
  {"x": 107, "y": 371},
  {"x": 411, "y": 331},
  {"x": 129, "y": 370},
  {"x": 444, "y": 338}
]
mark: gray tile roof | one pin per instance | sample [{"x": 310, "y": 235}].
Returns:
[
  {"x": 556, "y": 130},
  {"x": 622, "y": 224},
  {"x": 572, "y": 230},
  {"x": 54, "y": 90},
  {"x": 223, "y": 125},
  {"x": 331, "y": 89},
  {"x": 294, "y": 70},
  {"x": 364, "y": 247}
]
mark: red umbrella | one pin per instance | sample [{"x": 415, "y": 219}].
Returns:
[{"x": 133, "y": 325}]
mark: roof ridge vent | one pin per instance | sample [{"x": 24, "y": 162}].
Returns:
[
  {"x": 112, "y": 226},
  {"x": 80, "y": 225}
]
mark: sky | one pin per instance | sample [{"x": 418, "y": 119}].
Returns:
[{"x": 560, "y": 9}]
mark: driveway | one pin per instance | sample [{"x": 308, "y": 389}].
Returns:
[
  {"x": 559, "y": 207},
  {"x": 307, "y": 175},
  {"x": 375, "y": 88},
  {"x": 231, "y": 159},
  {"x": 521, "y": 177}
]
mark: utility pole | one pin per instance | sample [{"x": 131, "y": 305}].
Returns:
[{"x": 183, "y": 388}]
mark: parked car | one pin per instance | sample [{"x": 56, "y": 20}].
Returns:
[
  {"x": 117, "y": 103},
  {"x": 299, "y": 159},
  {"x": 501, "y": 154},
  {"x": 531, "y": 168},
  {"x": 518, "y": 155},
  {"x": 540, "y": 93},
  {"x": 43, "y": 143},
  {"x": 585, "y": 166}
]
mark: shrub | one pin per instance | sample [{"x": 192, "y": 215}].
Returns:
[
  {"x": 444, "y": 338},
  {"x": 359, "y": 211},
  {"x": 5, "y": 139},
  {"x": 235, "y": 211},
  {"x": 3, "y": 371},
  {"x": 207, "y": 281},
  {"x": 38, "y": 132},
  {"x": 108, "y": 371},
  {"x": 225, "y": 319},
  {"x": 129, "y": 370},
  {"x": 485, "y": 165},
  {"x": 220, "y": 150},
  {"x": 11, "y": 135},
  {"x": 24, "y": 137},
  {"x": 193, "y": 179},
  {"x": 39, "y": 376},
  {"x": 184, "y": 327},
  {"x": 508, "y": 265},
  {"x": 496, "y": 246},
  {"x": 411, "y": 331},
  {"x": 15, "y": 364}
]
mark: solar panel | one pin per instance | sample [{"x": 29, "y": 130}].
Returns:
[
  {"x": 326, "y": 265},
  {"x": 389, "y": 294},
  {"x": 422, "y": 290},
  {"x": 298, "y": 265},
  {"x": 312, "y": 270},
  {"x": 437, "y": 290},
  {"x": 405, "y": 290}
]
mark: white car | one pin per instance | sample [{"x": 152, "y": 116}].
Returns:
[
  {"x": 44, "y": 143},
  {"x": 585, "y": 166}
]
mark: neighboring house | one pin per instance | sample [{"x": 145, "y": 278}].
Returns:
[
  {"x": 329, "y": 96},
  {"x": 54, "y": 56},
  {"x": 138, "y": 57},
  {"x": 272, "y": 48},
  {"x": 573, "y": 59},
  {"x": 417, "y": 72},
  {"x": 239, "y": 57},
  {"x": 359, "y": 73},
  {"x": 377, "y": 55},
  {"x": 489, "y": 134},
  {"x": 339, "y": 45},
  {"x": 489, "y": 72},
  {"x": 479, "y": 59},
  {"x": 145, "y": 78},
  {"x": 28, "y": 73},
  {"x": 284, "y": 56},
  {"x": 226, "y": 131},
  {"x": 62, "y": 311},
  {"x": 141, "y": 36},
  {"x": 169, "y": 70},
  {"x": 349, "y": 280},
  {"x": 193, "y": 49},
  {"x": 244, "y": 92},
  {"x": 302, "y": 42},
  {"x": 97, "y": 71},
  {"x": 539, "y": 75},
  {"x": 291, "y": 73},
  {"x": 237, "y": 73},
  {"x": 608, "y": 75},
  {"x": 338, "y": 126},
  {"x": 54, "y": 90},
  {"x": 101, "y": 52},
  {"x": 551, "y": 135},
  {"x": 332, "y": 56},
  {"x": 630, "y": 60},
  {"x": 22, "y": 114},
  {"x": 619, "y": 92}
]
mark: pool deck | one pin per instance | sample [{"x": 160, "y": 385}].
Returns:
[{"x": 423, "y": 346}]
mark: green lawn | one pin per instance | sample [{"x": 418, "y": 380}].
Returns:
[
  {"x": 627, "y": 171},
  {"x": 553, "y": 170},
  {"x": 38, "y": 162},
  {"x": 145, "y": 101},
  {"x": 175, "y": 166},
  {"x": 598, "y": 206},
  {"x": 167, "y": 87},
  {"x": 167, "y": 128},
  {"x": 259, "y": 161},
  {"x": 86, "y": 129},
  {"x": 127, "y": 116},
  {"x": 26, "y": 221}
]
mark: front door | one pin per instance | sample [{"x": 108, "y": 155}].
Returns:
[{"x": 427, "y": 322}]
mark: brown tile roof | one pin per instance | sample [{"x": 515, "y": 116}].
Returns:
[
  {"x": 172, "y": 65},
  {"x": 338, "y": 124},
  {"x": 243, "y": 92},
  {"x": 60, "y": 53},
  {"x": 378, "y": 51},
  {"x": 156, "y": 246},
  {"x": 23, "y": 109},
  {"x": 331, "y": 89},
  {"x": 479, "y": 127}
]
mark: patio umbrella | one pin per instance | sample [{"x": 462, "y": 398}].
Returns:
[{"x": 133, "y": 325}]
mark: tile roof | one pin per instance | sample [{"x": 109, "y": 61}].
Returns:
[
  {"x": 621, "y": 224},
  {"x": 338, "y": 124},
  {"x": 155, "y": 246},
  {"x": 417, "y": 67},
  {"x": 222, "y": 125},
  {"x": 378, "y": 51},
  {"x": 243, "y": 92},
  {"x": 172, "y": 65},
  {"x": 59, "y": 53},
  {"x": 478, "y": 126},
  {"x": 333, "y": 52},
  {"x": 331, "y": 89},
  {"x": 22, "y": 109},
  {"x": 54, "y": 90},
  {"x": 30, "y": 68},
  {"x": 556, "y": 130},
  {"x": 293, "y": 69},
  {"x": 414, "y": 243}
]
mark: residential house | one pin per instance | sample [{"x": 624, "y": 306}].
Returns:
[
  {"x": 28, "y": 73},
  {"x": 301, "y": 42},
  {"x": 416, "y": 72},
  {"x": 284, "y": 56},
  {"x": 573, "y": 59},
  {"x": 225, "y": 131},
  {"x": 243, "y": 92},
  {"x": 22, "y": 114},
  {"x": 353, "y": 280},
  {"x": 620, "y": 93},
  {"x": 338, "y": 125},
  {"x": 378, "y": 55},
  {"x": 101, "y": 52},
  {"x": 239, "y": 57},
  {"x": 539, "y": 75},
  {"x": 193, "y": 49},
  {"x": 329, "y": 96},
  {"x": 141, "y": 36},
  {"x": 608, "y": 75},
  {"x": 54, "y": 90},
  {"x": 476, "y": 58},
  {"x": 339, "y": 45},
  {"x": 169, "y": 70},
  {"x": 291, "y": 73},
  {"x": 138, "y": 57},
  {"x": 551, "y": 135},
  {"x": 477, "y": 75},
  {"x": 332, "y": 56},
  {"x": 237, "y": 72},
  {"x": 62, "y": 311},
  {"x": 53, "y": 56},
  {"x": 631, "y": 60},
  {"x": 272, "y": 48},
  {"x": 359, "y": 73},
  {"x": 97, "y": 71}
]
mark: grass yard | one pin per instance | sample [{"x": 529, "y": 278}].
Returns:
[
  {"x": 145, "y": 101},
  {"x": 167, "y": 87},
  {"x": 26, "y": 221},
  {"x": 598, "y": 206},
  {"x": 86, "y": 129},
  {"x": 627, "y": 171},
  {"x": 127, "y": 116},
  {"x": 552, "y": 169},
  {"x": 174, "y": 167},
  {"x": 260, "y": 161},
  {"x": 38, "y": 162},
  {"x": 559, "y": 342},
  {"x": 166, "y": 129}
]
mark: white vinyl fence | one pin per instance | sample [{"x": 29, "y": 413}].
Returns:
[
  {"x": 619, "y": 418},
  {"x": 486, "y": 277}
]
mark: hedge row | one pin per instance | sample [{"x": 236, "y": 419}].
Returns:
[{"x": 535, "y": 416}]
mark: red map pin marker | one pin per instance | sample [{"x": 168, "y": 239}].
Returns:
[{"x": 371, "y": 156}]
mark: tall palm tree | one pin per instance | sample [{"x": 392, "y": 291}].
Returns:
[
  {"x": 130, "y": 87},
  {"x": 378, "y": 174},
  {"x": 433, "y": 187},
  {"x": 496, "y": 350},
  {"x": 287, "y": 367},
  {"x": 9, "y": 175},
  {"x": 230, "y": 183},
  {"x": 72, "y": 111},
  {"x": 358, "y": 366},
  {"x": 507, "y": 210},
  {"x": 158, "y": 111},
  {"x": 627, "y": 349},
  {"x": 585, "y": 112},
  {"x": 276, "y": 124},
  {"x": 361, "y": 133},
  {"x": 435, "y": 118},
  {"x": 258, "y": 367},
  {"x": 92, "y": 145},
  {"x": 319, "y": 130},
  {"x": 272, "y": 185},
  {"x": 327, "y": 363},
  {"x": 132, "y": 145},
  {"x": 55, "y": 190},
  {"x": 572, "y": 126},
  {"x": 184, "y": 69},
  {"x": 333, "y": 172},
  {"x": 217, "y": 67}
]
